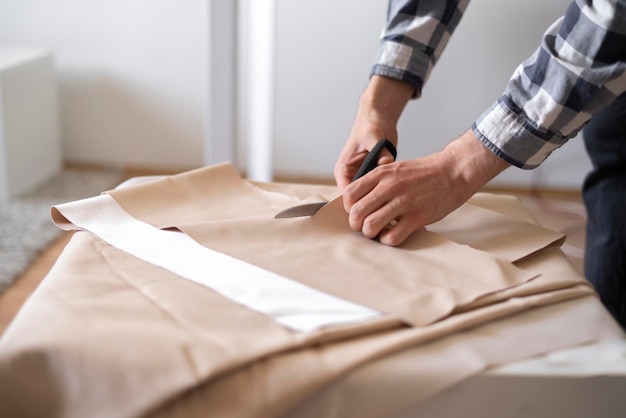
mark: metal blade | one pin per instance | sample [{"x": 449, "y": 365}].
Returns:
[
  {"x": 306, "y": 209},
  {"x": 370, "y": 162}
]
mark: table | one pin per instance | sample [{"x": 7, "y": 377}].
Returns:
[{"x": 124, "y": 337}]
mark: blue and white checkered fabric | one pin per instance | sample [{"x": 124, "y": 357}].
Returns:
[
  {"x": 415, "y": 35},
  {"x": 579, "y": 68}
]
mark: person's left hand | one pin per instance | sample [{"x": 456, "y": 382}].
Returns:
[{"x": 396, "y": 199}]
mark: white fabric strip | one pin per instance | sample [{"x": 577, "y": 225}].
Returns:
[{"x": 288, "y": 302}]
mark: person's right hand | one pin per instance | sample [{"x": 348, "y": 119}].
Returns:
[
  {"x": 380, "y": 107},
  {"x": 369, "y": 128}
]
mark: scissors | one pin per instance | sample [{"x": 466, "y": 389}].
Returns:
[{"x": 371, "y": 161}]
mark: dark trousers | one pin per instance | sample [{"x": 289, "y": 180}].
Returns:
[{"x": 604, "y": 193}]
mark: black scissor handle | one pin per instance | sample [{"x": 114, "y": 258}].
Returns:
[{"x": 371, "y": 161}]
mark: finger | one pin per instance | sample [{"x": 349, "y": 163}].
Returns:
[
  {"x": 391, "y": 223},
  {"x": 377, "y": 153},
  {"x": 381, "y": 219},
  {"x": 370, "y": 215},
  {"x": 374, "y": 224},
  {"x": 342, "y": 179},
  {"x": 385, "y": 157},
  {"x": 400, "y": 230},
  {"x": 396, "y": 233},
  {"x": 363, "y": 215},
  {"x": 358, "y": 189},
  {"x": 346, "y": 168}
]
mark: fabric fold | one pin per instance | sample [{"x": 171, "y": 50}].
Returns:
[
  {"x": 109, "y": 334},
  {"x": 416, "y": 281},
  {"x": 288, "y": 302}
]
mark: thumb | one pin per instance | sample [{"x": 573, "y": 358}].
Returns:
[
  {"x": 385, "y": 158},
  {"x": 387, "y": 154}
]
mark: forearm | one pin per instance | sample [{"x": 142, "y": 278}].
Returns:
[
  {"x": 578, "y": 70},
  {"x": 386, "y": 97},
  {"x": 470, "y": 165}
]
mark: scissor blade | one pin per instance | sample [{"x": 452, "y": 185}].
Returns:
[
  {"x": 306, "y": 209},
  {"x": 371, "y": 161}
]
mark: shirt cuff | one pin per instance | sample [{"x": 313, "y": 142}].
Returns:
[
  {"x": 402, "y": 62},
  {"x": 512, "y": 138}
]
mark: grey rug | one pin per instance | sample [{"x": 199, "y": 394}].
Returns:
[{"x": 26, "y": 228}]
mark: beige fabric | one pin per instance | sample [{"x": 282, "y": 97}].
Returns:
[
  {"x": 107, "y": 335},
  {"x": 495, "y": 233},
  {"x": 417, "y": 281},
  {"x": 214, "y": 193},
  {"x": 401, "y": 382}
]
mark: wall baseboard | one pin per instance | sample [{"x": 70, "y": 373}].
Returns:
[{"x": 137, "y": 171}]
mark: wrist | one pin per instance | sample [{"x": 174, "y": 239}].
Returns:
[
  {"x": 387, "y": 97},
  {"x": 471, "y": 164}
]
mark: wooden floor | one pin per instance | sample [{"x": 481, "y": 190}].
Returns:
[
  {"x": 12, "y": 298},
  {"x": 551, "y": 217}
]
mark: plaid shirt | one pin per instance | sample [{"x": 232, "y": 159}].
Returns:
[{"x": 579, "y": 68}]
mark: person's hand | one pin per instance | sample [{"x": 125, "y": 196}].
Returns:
[
  {"x": 367, "y": 131},
  {"x": 394, "y": 200},
  {"x": 380, "y": 107}
]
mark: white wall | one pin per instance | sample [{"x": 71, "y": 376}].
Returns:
[
  {"x": 131, "y": 75},
  {"x": 324, "y": 50}
]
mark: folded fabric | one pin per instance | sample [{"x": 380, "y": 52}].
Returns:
[
  {"x": 110, "y": 333},
  {"x": 422, "y": 281},
  {"x": 107, "y": 335}
]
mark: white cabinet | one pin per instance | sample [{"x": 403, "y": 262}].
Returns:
[{"x": 30, "y": 149}]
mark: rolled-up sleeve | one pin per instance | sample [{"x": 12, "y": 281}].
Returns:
[
  {"x": 416, "y": 33},
  {"x": 579, "y": 68}
]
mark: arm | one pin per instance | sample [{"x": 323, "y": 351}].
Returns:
[
  {"x": 412, "y": 41},
  {"x": 380, "y": 108},
  {"x": 414, "y": 38},
  {"x": 579, "y": 69}
]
